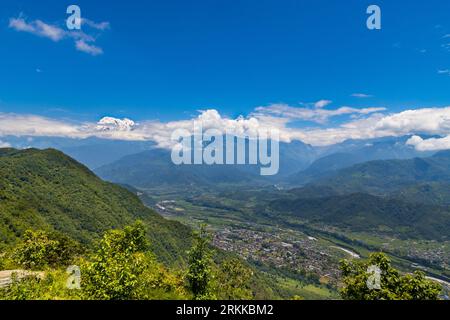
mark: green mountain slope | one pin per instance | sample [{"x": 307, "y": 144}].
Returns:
[
  {"x": 362, "y": 212},
  {"x": 47, "y": 189},
  {"x": 386, "y": 176},
  {"x": 437, "y": 193}
]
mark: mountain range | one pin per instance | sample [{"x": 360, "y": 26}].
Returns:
[
  {"x": 352, "y": 152},
  {"x": 300, "y": 163}
]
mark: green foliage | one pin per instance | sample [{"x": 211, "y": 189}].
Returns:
[
  {"x": 432, "y": 193},
  {"x": 40, "y": 249},
  {"x": 29, "y": 288},
  {"x": 199, "y": 275},
  {"x": 233, "y": 280},
  {"x": 51, "y": 286},
  {"x": 122, "y": 269},
  {"x": 115, "y": 269},
  {"x": 393, "y": 285},
  {"x": 365, "y": 213},
  {"x": 157, "y": 282}
]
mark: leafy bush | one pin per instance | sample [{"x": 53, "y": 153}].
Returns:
[
  {"x": 116, "y": 267},
  {"x": 393, "y": 285},
  {"x": 233, "y": 280},
  {"x": 51, "y": 286},
  {"x": 121, "y": 269},
  {"x": 40, "y": 249}
]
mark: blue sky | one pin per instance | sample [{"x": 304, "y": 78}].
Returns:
[{"x": 167, "y": 59}]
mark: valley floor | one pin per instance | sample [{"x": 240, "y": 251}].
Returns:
[{"x": 304, "y": 258}]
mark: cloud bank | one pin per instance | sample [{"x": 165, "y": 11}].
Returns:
[{"x": 372, "y": 124}]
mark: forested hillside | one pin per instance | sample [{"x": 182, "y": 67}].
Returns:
[
  {"x": 364, "y": 212},
  {"x": 45, "y": 189},
  {"x": 385, "y": 176}
]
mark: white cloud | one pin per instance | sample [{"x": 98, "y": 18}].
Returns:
[
  {"x": 38, "y": 28},
  {"x": 81, "y": 45},
  {"x": 96, "y": 25},
  {"x": 83, "y": 41},
  {"x": 32, "y": 125},
  {"x": 361, "y": 95},
  {"x": 427, "y": 120},
  {"x": 444, "y": 71},
  {"x": 322, "y": 103},
  {"x": 318, "y": 115},
  {"x": 80, "y": 35},
  {"x": 432, "y": 144},
  {"x": 356, "y": 129},
  {"x": 19, "y": 24}
]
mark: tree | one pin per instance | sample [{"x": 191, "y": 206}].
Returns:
[
  {"x": 199, "y": 275},
  {"x": 233, "y": 280},
  {"x": 392, "y": 285},
  {"x": 115, "y": 269},
  {"x": 40, "y": 249}
]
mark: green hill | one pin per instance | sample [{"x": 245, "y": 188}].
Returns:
[
  {"x": 367, "y": 213},
  {"x": 437, "y": 193},
  {"x": 46, "y": 189},
  {"x": 386, "y": 176}
]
